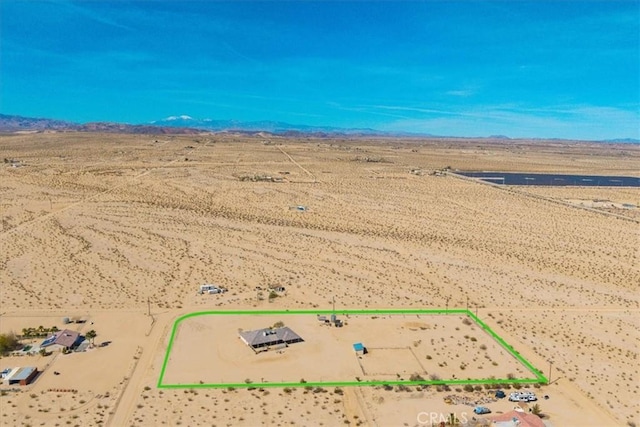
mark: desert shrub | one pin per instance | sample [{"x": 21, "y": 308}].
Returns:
[
  {"x": 8, "y": 342},
  {"x": 416, "y": 377}
]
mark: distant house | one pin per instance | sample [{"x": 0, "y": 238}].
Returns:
[
  {"x": 516, "y": 419},
  {"x": 269, "y": 337},
  {"x": 62, "y": 340}
]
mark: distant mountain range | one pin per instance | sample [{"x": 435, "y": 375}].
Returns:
[
  {"x": 10, "y": 123},
  {"x": 180, "y": 125},
  {"x": 189, "y": 126},
  {"x": 278, "y": 128}
]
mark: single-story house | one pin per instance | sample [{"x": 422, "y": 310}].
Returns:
[
  {"x": 65, "y": 339},
  {"x": 268, "y": 337},
  {"x": 516, "y": 419}
]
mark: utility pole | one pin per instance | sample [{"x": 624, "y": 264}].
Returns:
[
  {"x": 334, "y": 304},
  {"x": 549, "y": 379},
  {"x": 148, "y": 307},
  {"x": 467, "y": 302}
]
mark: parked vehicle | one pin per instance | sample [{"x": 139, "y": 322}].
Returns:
[
  {"x": 522, "y": 396},
  {"x": 211, "y": 289},
  {"x": 480, "y": 410},
  {"x": 500, "y": 394}
]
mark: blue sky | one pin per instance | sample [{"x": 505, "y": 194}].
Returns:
[{"x": 560, "y": 69}]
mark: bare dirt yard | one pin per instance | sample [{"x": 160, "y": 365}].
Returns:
[
  {"x": 207, "y": 349},
  {"x": 122, "y": 230}
]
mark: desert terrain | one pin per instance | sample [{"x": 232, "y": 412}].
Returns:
[
  {"x": 398, "y": 347},
  {"x": 121, "y": 230}
]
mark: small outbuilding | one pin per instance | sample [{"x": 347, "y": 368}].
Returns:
[
  {"x": 23, "y": 376},
  {"x": 360, "y": 348}
]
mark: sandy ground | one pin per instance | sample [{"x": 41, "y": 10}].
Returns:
[
  {"x": 111, "y": 227},
  {"x": 208, "y": 349}
]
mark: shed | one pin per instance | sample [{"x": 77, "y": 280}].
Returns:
[
  {"x": 23, "y": 376},
  {"x": 359, "y": 347}
]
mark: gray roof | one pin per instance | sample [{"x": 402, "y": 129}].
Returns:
[
  {"x": 268, "y": 336},
  {"x": 23, "y": 374}
]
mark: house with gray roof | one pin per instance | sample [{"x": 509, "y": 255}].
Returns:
[{"x": 269, "y": 336}]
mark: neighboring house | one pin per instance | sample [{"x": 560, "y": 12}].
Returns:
[
  {"x": 23, "y": 376},
  {"x": 516, "y": 419},
  {"x": 62, "y": 340}
]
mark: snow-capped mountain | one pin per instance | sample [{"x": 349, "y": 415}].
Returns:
[
  {"x": 182, "y": 117},
  {"x": 254, "y": 126}
]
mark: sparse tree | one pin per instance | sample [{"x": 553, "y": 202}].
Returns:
[
  {"x": 535, "y": 409},
  {"x": 91, "y": 335}
]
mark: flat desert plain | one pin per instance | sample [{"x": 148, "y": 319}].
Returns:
[
  {"x": 120, "y": 231},
  {"x": 398, "y": 347}
]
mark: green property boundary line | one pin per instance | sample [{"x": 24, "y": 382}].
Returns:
[{"x": 539, "y": 377}]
